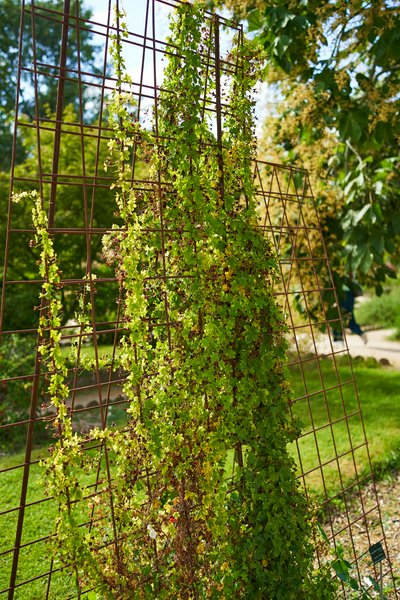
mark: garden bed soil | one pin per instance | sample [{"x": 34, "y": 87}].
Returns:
[{"x": 388, "y": 492}]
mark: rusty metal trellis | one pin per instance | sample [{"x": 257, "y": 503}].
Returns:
[{"x": 288, "y": 217}]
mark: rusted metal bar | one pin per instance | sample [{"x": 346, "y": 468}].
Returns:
[
  {"x": 35, "y": 383},
  {"x": 12, "y": 173},
  {"x": 59, "y": 109},
  {"x": 218, "y": 107},
  {"x": 289, "y": 220}
]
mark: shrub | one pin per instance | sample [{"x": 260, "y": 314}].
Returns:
[
  {"x": 17, "y": 359},
  {"x": 381, "y": 311}
]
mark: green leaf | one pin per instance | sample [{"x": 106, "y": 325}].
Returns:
[
  {"x": 349, "y": 128},
  {"x": 382, "y": 132},
  {"x": 341, "y": 569},
  {"x": 322, "y": 533},
  {"x": 376, "y": 207},
  {"x": 396, "y": 222},
  {"x": 254, "y": 20},
  {"x": 358, "y": 216},
  {"x": 91, "y": 596},
  {"x": 378, "y": 244},
  {"x": 354, "y": 584}
]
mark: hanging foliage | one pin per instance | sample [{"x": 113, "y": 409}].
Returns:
[{"x": 204, "y": 502}]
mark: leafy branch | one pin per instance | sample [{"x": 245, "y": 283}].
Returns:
[{"x": 199, "y": 497}]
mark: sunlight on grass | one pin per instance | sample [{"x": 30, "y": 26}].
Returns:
[
  {"x": 89, "y": 351},
  {"x": 36, "y": 554},
  {"x": 35, "y": 558},
  {"x": 379, "y": 390}
]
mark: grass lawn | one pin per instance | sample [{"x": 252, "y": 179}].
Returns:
[
  {"x": 379, "y": 390},
  {"x": 381, "y": 311},
  {"x": 379, "y": 393},
  {"x": 88, "y": 351},
  {"x": 35, "y": 559},
  {"x": 36, "y": 556}
]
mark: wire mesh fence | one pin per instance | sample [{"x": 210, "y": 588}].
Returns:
[
  {"x": 66, "y": 150},
  {"x": 326, "y": 400}
]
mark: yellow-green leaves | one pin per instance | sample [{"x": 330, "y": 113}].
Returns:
[{"x": 203, "y": 498}]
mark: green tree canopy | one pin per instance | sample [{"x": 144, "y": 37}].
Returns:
[
  {"x": 22, "y": 257},
  {"x": 47, "y": 48},
  {"x": 72, "y": 250},
  {"x": 336, "y": 67}
]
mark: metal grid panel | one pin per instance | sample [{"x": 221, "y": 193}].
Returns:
[
  {"x": 326, "y": 397},
  {"x": 288, "y": 217}
]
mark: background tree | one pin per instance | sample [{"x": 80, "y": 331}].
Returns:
[
  {"x": 47, "y": 38},
  {"x": 71, "y": 250},
  {"x": 22, "y": 265},
  {"x": 335, "y": 69}
]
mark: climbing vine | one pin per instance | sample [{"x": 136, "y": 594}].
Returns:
[{"x": 204, "y": 501}]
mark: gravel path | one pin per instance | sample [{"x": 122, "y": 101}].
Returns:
[
  {"x": 379, "y": 346},
  {"x": 383, "y": 349},
  {"x": 389, "y": 500}
]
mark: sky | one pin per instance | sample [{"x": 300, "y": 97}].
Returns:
[{"x": 136, "y": 18}]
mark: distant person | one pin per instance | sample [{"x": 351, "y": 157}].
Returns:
[{"x": 346, "y": 304}]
